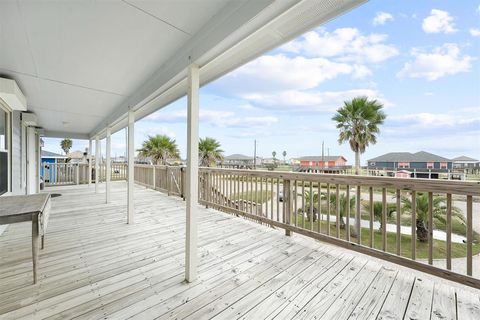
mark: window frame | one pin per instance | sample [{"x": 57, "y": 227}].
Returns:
[{"x": 8, "y": 144}]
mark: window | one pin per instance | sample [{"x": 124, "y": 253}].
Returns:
[
  {"x": 404, "y": 164},
  {"x": 443, "y": 165},
  {"x": 429, "y": 165},
  {"x": 4, "y": 116}
]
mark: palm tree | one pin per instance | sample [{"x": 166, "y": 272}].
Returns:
[
  {"x": 359, "y": 121},
  {"x": 378, "y": 210},
  {"x": 209, "y": 151},
  {"x": 160, "y": 148},
  {"x": 439, "y": 209},
  {"x": 66, "y": 145},
  {"x": 343, "y": 206},
  {"x": 310, "y": 199},
  {"x": 284, "y": 154}
]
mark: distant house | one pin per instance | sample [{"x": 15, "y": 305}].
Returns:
[
  {"x": 238, "y": 161},
  {"x": 463, "y": 162},
  {"x": 322, "y": 162},
  {"x": 77, "y": 156},
  {"x": 421, "y": 162}
]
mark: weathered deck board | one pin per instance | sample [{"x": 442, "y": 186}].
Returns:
[{"x": 96, "y": 266}]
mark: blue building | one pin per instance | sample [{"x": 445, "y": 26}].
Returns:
[
  {"x": 421, "y": 164},
  {"x": 49, "y": 158}
]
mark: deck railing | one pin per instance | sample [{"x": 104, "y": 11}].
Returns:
[
  {"x": 366, "y": 209},
  {"x": 77, "y": 173},
  {"x": 433, "y": 231}
]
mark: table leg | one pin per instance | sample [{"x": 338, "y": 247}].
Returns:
[{"x": 35, "y": 245}]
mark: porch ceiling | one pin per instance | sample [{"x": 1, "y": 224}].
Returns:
[{"x": 82, "y": 64}]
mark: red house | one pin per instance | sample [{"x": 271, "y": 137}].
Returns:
[{"x": 322, "y": 162}]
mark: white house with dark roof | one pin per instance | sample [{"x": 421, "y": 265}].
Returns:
[{"x": 465, "y": 162}]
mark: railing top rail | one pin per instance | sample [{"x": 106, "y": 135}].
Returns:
[{"x": 417, "y": 184}]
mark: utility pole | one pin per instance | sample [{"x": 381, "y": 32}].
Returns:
[
  {"x": 255, "y": 154},
  {"x": 323, "y": 150},
  {"x": 328, "y": 152}
]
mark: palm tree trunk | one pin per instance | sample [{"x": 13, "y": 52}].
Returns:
[
  {"x": 422, "y": 232},
  {"x": 357, "y": 162}
]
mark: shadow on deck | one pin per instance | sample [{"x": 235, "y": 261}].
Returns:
[{"x": 94, "y": 265}]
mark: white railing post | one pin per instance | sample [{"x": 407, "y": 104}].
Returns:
[
  {"x": 97, "y": 163},
  {"x": 77, "y": 173},
  {"x": 192, "y": 174},
  {"x": 108, "y": 166},
  {"x": 89, "y": 171},
  {"x": 130, "y": 178}
]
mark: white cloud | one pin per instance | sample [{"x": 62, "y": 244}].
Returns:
[
  {"x": 323, "y": 101},
  {"x": 344, "y": 44},
  {"x": 381, "y": 18},
  {"x": 425, "y": 120},
  {"x": 474, "y": 32},
  {"x": 439, "y": 21},
  {"x": 279, "y": 72},
  {"x": 441, "y": 61},
  {"x": 216, "y": 118}
]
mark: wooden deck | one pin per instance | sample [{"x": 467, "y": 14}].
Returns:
[{"x": 96, "y": 266}]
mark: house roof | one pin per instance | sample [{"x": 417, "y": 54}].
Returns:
[
  {"x": 238, "y": 156},
  {"x": 464, "y": 158},
  {"x": 76, "y": 155},
  {"x": 421, "y": 156},
  {"x": 320, "y": 158},
  {"x": 49, "y": 154},
  {"x": 82, "y": 65}
]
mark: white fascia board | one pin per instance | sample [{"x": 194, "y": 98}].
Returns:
[
  {"x": 11, "y": 94},
  {"x": 271, "y": 27},
  {"x": 65, "y": 135}
]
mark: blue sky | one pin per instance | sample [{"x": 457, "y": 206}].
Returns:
[{"x": 419, "y": 58}]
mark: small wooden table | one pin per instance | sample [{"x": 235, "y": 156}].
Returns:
[{"x": 35, "y": 208}]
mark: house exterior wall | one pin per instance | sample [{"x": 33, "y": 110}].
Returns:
[
  {"x": 411, "y": 165},
  {"x": 323, "y": 164}
]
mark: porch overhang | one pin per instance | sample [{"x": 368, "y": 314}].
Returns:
[{"x": 83, "y": 65}]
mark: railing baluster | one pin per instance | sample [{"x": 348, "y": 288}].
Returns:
[
  {"x": 303, "y": 204},
  {"x": 430, "y": 228},
  {"x": 261, "y": 196},
  {"x": 414, "y": 224},
  {"x": 319, "y": 212},
  {"x": 358, "y": 217},
  {"x": 295, "y": 194},
  {"x": 256, "y": 196},
  {"x": 399, "y": 227},
  {"x": 372, "y": 217},
  {"x": 278, "y": 199},
  {"x": 337, "y": 208},
  {"x": 311, "y": 206},
  {"x": 347, "y": 213},
  {"x": 271, "y": 203},
  {"x": 384, "y": 219},
  {"x": 328, "y": 209},
  {"x": 469, "y": 234},
  {"x": 449, "y": 231}
]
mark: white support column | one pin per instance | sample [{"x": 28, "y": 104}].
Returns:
[
  {"x": 131, "y": 160},
  {"x": 97, "y": 163},
  {"x": 108, "y": 165},
  {"x": 89, "y": 172},
  {"x": 191, "y": 254}
]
